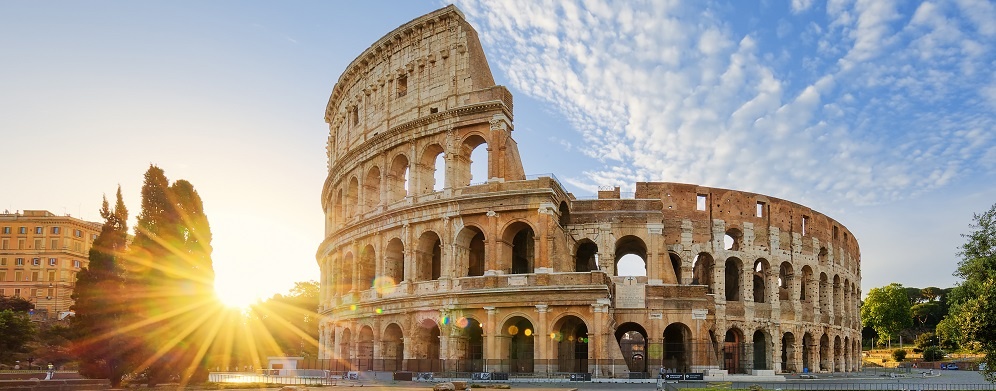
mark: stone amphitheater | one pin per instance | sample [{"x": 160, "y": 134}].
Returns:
[{"x": 425, "y": 268}]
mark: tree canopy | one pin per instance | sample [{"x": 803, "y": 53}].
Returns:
[
  {"x": 974, "y": 300},
  {"x": 887, "y": 310}
]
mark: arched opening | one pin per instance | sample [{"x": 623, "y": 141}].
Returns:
[
  {"x": 733, "y": 350},
  {"x": 632, "y": 339},
  {"x": 352, "y": 197},
  {"x": 847, "y": 355},
  {"x": 785, "y": 280},
  {"x": 586, "y": 256},
  {"x": 427, "y": 337},
  {"x": 371, "y": 188},
  {"x": 677, "y": 338},
  {"x": 473, "y": 334},
  {"x": 434, "y": 163},
  {"x": 760, "y": 280},
  {"x": 368, "y": 267},
  {"x": 760, "y": 350},
  {"x": 571, "y": 338},
  {"x": 398, "y": 178},
  {"x": 518, "y": 337},
  {"x": 522, "y": 253},
  {"x": 823, "y": 255},
  {"x": 338, "y": 209},
  {"x": 346, "y": 274},
  {"x": 806, "y": 283},
  {"x": 733, "y": 239},
  {"x": 733, "y": 269},
  {"x": 631, "y": 256},
  {"x": 394, "y": 262},
  {"x": 473, "y": 161},
  {"x": 788, "y": 353},
  {"x": 675, "y": 266},
  {"x": 429, "y": 257},
  {"x": 344, "y": 352},
  {"x": 825, "y": 358},
  {"x": 565, "y": 214},
  {"x": 702, "y": 271},
  {"x": 837, "y": 296},
  {"x": 393, "y": 348},
  {"x": 475, "y": 254},
  {"x": 365, "y": 349},
  {"x": 807, "y": 352}
]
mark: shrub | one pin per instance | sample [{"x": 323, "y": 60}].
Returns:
[
  {"x": 932, "y": 353},
  {"x": 899, "y": 355}
]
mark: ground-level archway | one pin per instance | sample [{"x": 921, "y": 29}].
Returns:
[
  {"x": 677, "y": 350},
  {"x": 571, "y": 339},
  {"x": 632, "y": 339}
]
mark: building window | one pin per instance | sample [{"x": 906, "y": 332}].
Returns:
[
  {"x": 36, "y": 261},
  {"x": 52, "y": 262},
  {"x": 51, "y": 292},
  {"x": 51, "y": 276},
  {"x": 22, "y": 230},
  {"x": 17, "y": 275},
  {"x": 17, "y": 292},
  {"x": 402, "y": 86},
  {"x": 700, "y": 202},
  {"x": 3, "y": 261},
  {"x": 760, "y": 209},
  {"x": 6, "y": 230},
  {"x": 93, "y": 237},
  {"x": 39, "y": 230},
  {"x": 19, "y": 262},
  {"x": 78, "y": 233},
  {"x": 55, "y": 230},
  {"x": 805, "y": 222},
  {"x": 55, "y": 244},
  {"x": 77, "y": 264},
  {"x": 3, "y": 277},
  {"x": 34, "y": 276},
  {"x": 34, "y": 292}
]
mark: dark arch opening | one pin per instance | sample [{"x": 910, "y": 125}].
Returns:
[
  {"x": 523, "y": 248},
  {"x": 565, "y": 214},
  {"x": 677, "y": 337},
  {"x": 632, "y": 339},
  {"x": 733, "y": 270},
  {"x": 733, "y": 350},
  {"x": 474, "y": 335},
  {"x": 585, "y": 259},
  {"x": 760, "y": 350},
  {"x": 676, "y": 266},
  {"x": 571, "y": 338},
  {"x": 629, "y": 246},
  {"x": 394, "y": 348},
  {"x": 520, "y": 339}
]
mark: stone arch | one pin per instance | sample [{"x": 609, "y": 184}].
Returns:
[
  {"x": 702, "y": 271},
  {"x": 760, "y": 280},
  {"x": 368, "y": 267},
  {"x": 521, "y": 241},
  {"x": 338, "y": 209},
  {"x": 428, "y": 257},
  {"x": 675, "y": 266},
  {"x": 346, "y": 274},
  {"x": 824, "y": 294},
  {"x": 788, "y": 353},
  {"x": 846, "y": 360},
  {"x": 467, "y": 162},
  {"x": 677, "y": 348},
  {"x": 631, "y": 245},
  {"x": 734, "y": 266},
  {"x": 394, "y": 261},
  {"x": 398, "y": 178},
  {"x": 570, "y": 337},
  {"x": 786, "y": 277},
  {"x": 428, "y": 166},
  {"x": 365, "y": 349},
  {"x": 565, "y": 214},
  {"x": 806, "y": 284},
  {"x": 516, "y": 336},
  {"x": 733, "y": 240},
  {"x": 838, "y": 355},
  {"x": 427, "y": 347},
  {"x": 345, "y": 353},
  {"x": 825, "y": 358},
  {"x": 393, "y": 347},
  {"x": 809, "y": 350},
  {"x": 352, "y": 197},
  {"x": 632, "y": 339},
  {"x": 822, "y": 255},
  {"x": 760, "y": 348},
  {"x": 734, "y": 351},
  {"x": 586, "y": 256},
  {"x": 371, "y": 189},
  {"x": 472, "y": 335},
  {"x": 470, "y": 245},
  {"x": 838, "y": 295}
]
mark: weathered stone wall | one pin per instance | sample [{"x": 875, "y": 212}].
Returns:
[{"x": 511, "y": 273}]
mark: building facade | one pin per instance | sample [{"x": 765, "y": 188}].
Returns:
[
  {"x": 40, "y": 254},
  {"x": 426, "y": 268}
]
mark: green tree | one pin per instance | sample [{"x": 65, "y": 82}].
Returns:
[
  {"x": 948, "y": 333},
  {"x": 887, "y": 310},
  {"x": 16, "y": 331},
  {"x": 292, "y": 320},
  {"x": 98, "y": 331},
  {"x": 974, "y": 300},
  {"x": 929, "y": 313},
  {"x": 17, "y": 304},
  {"x": 170, "y": 268}
]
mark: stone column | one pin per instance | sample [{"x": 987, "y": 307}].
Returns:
[
  {"x": 541, "y": 341},
  {"x": 490, "y": 332},
  {"x": 601, "y": 364}
]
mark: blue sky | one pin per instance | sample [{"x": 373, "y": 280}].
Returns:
[{"x": 877, "y": 113}]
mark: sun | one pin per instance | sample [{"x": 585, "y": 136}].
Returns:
[{"x": 235, "y": 294}]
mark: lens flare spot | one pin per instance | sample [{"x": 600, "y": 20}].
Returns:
[
  {"x": 385, "y": 285},
  {"x": 528, "y": 332},
  {"x": 379, "y": 311},
  {"x": 444, "y": 320},
  {"x": 352, "y": 307},
  {"x": 462, "y": 323},
  {"x": 512, "y": 330}
]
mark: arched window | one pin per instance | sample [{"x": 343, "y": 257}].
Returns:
[
  {"x": 429, "y": 257},
  {"x": 368, "y": 267},
  {"x": 371, "y": 189},
  {"x": 631, "y": 256},
  {"x": 398, "y": 178},
  {"x": 732, "y": 240},
  {"x": 433, "y": 166},
  {"x": 352, "y": 197},
  {"x": 346, "y": 274},
  {"x": 733, "y": 270},
  {"x": 676, "y": 266},
  {"x": 523, "y": 250},
  {"x": 394, "y": 261},
  {"x": 702, "y": 271},
  {"x": 470, "y": 245},
  {"x": 586, "y": 256},
  {"x": 472, "y": 164},
  {"x": 760, "y": 280},
  {"x": 785, "y": 280}
]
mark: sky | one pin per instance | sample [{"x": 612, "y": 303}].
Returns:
[{"x": 880, "y": 114}]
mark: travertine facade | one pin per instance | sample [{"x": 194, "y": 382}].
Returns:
[
  {"x": 514, "y": 274},
  {"x": 40, "y": 254}
]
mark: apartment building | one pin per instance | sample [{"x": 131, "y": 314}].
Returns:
[{"x": 40, "y": 254}]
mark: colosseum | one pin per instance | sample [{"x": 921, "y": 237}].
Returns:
[{"x": 426, "y": 268}]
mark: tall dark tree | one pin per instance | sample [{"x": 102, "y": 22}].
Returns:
[
  {"x": 15, "y": 332},
  {"x": 291, "y": 320},
  {"x": 15, "y": 303},
  {"x": 172, "y": 274},
  {"x": 98, "y": 331}
]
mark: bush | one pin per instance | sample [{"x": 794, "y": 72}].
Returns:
[
  {"x": 899, "y": 355},
  {"x": 932, "y": 353}
]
